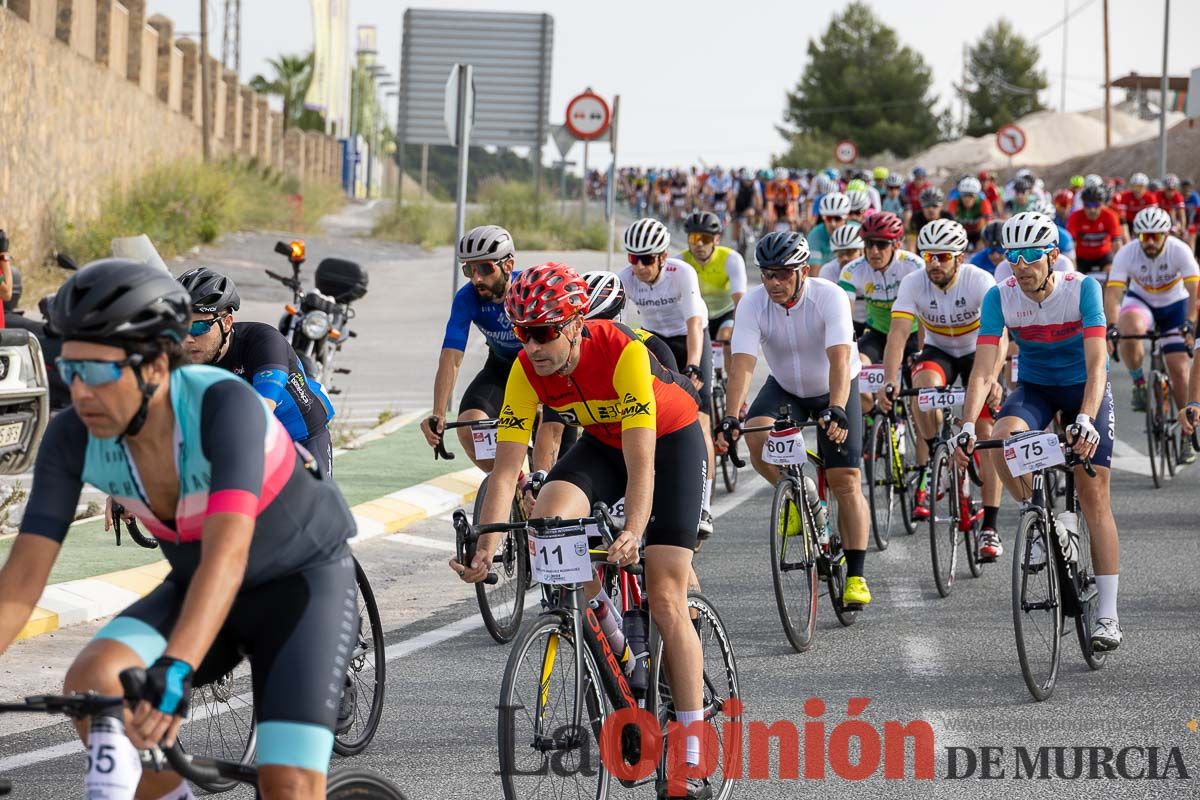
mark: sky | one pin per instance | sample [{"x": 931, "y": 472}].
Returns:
[{"x": 702, "y": 80}]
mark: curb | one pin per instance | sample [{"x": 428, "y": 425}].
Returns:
[{"x": 88, "y": 599}]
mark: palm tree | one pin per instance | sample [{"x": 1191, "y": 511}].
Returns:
[{"x": 293, "y": 74}]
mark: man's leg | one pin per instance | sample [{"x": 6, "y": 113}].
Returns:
[
  {"x": 754, "y": 443},
  {"x": 668, "y": 570},
  {"x": 1134, "y": 320},
  {"x": 465, "y": 440},
  {"x": 1179, "y": 366},
  {"x": 926, "y": 375},
  {"x": 1005, "y": 427}
]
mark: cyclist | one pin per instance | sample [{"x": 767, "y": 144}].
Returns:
[
  {"x": 933, "y": 206},
  {"x": 259, "y": 353},
  {"x": 1057, "y": 319},
  {"x": 1064, "y": 202},
  {"x": 912, "y": 191},
  {"x": 720, "y": 270},
  {"x": 991, "y": 192},
  {"x": 1096, "y": 229},
  {"x": 894, "y": 200},
  {"x": 860, "y": 206},
  {"x": 641, "y": 440},
  {"x": 717, "y": 192},
  {"x": 803, "y": 326},
  {"x": 1022, "y": 198},
  {"x": 847, "y": 245},
  {"x": 990, "y": 253},
  {"x": 834, "y": 210},
  {"x": 1153, "y": 284},
  {"x": 666, "y": 292},
  {"x": 782, "y": 195},
  {"x": 747, "y": 203},
  {"x": 946, "y": 300},
  {"x": 860, "y": 184},
  {"x": 1172, "y": 200},
  {"x": 246, "y": 524},
  {"x": 971, "y": 209},
  {"x": 1134, "y": 199}
]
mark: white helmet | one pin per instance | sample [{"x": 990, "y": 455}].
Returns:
[
  {"x": 487, "y": 242},
  {"x": 1028, "y": 229},
  {"x": 847, "y": 237},
  {"x": 1024, "y": 173},
  {"x": 859, "y": 200},
  {"x": 647, "y": 237},
  {"x": 822, "y": 184},
  {"x": 970, "y": 185},
  {"x": 1044, "y": 207},
  {"x": 1152, "y": 220},
  {"x": 942, "y": 236},
  {"x": 1139, "y": 179},
  {"x": 834, "y": 204},
  {"x": 1093, "y": 180},
  {"x": 606, "y": 295}
]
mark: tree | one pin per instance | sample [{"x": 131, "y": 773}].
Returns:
[
  {"x": 1002, "y": 79},
  {"x": 861, "y": 84},
  {"x": 293, "y": 75}
]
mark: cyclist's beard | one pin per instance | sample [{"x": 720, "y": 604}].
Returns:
[
  {"x": 1156, "y": 251},
  {"x": 206, "y": 355},
  {"x": 493, "y": 289},
  {"x": 946, "y": 279}
]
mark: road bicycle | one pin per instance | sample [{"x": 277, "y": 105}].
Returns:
[
  {"x": 106, "y": 715},
  {"x": 1052, "y": 573},
  {"x": 812, "y": 553},
  {"x": 1163, "y": 436},
  {"x": 729, "y": 469},
  {"x": 564, "y": 678},
  {"x": 891, "y": 471}
]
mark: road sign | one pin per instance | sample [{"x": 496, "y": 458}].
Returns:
[
  {"x": 564, "y": 139},
  {"x": 588, "y": 116},
  {"x": 450, "y": 112},
  {"x": 1010, "y": 140},
  {"x": 845, "y": 152}
]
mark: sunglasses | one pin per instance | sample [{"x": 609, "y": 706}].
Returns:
[
  {"x": 834, "y": 219},
  {"x": 645, "y": 260},
  {"x": 538, "y": 333},
  {"x": 941, "y": 258},
  {"x": 1027, "y": 255},
  {"x": 202, "y": 326},
  {"x": 701, "y": 238},
  {"x": 93, "y": 373},
  {"x": 776, "y": 274},
  {"x": 1152, "y": 237},
  {"x": 878, "y": 244},
  {"x": 483, "y": 269},
  {"x": 1091, "y": 205}
]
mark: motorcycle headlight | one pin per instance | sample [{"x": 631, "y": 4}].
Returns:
[{"x": 315, "y": 325}]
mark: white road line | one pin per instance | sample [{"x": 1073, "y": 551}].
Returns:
[{"x": 420, "y": 541}]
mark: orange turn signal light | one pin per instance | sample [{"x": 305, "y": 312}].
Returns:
[
  {"x": 297, "y": 250},
  {"x": 291, "y": 309},
  {"x": 335, "y": 334}
]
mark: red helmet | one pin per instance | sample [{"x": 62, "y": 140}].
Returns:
[
  {"x": 1064, "y": 197},
  {"x": 545, "y": 295},
  {"x": 883, "y": 225}
]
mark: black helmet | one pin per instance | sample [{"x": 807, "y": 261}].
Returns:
[
  {"x": 781, "y": 249},
  {"x": 212, "y": 292},
  {"x": 120, "y": 302},
  {"x": 702, "y": 222},
  {"x": 991, "y": 233},
  {"x": 1022, "y": 185},
  {"x": 1094, "y": 194}
]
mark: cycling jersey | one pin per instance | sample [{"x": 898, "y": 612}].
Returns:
[
  {"x": 667, "y": 304},
  {"x": 1094, "y": 237},
  {"x": 1157, "y": 282},
  {"x": 721, "y": 277},
  {"x": 1004, "y": 271},
  {"x": 896, "y": 205},
  {"x": 781, "y": 194},
  {"x": 1129, "y": 204},
  {"x": 719, "y": 185},
  {"x": 1050, "y": 333},
  {"x": 1066, "y": 242},
  {"x": 819, "y": 250},
  {"x": 469, "y": 308},
  {"x": 794, "y": 339},
  {"x": 746, "y": 193},
  {"x": 232, "y": 456},
  {"x": 832, "y": 272},
  {"x": 614, "y": 387},
  {"x": 973, "y": 218},
  {"x": 950, "y": 316},
  {"x": 260, "y": 354},
  {"x": 879, "y": 287},
  {"x": 1171, "y": 201}
]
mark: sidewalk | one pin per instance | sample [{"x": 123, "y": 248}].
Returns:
[{"x": 93, "y": 579}]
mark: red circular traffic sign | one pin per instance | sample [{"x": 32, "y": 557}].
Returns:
[
  {"x": 1010, "y": 139},
  {"x": 588, "y": 116},
  {"x": 845, "y": 151}
]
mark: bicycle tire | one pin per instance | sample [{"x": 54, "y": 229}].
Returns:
[
  {"x": 799, "y": 632},
  {"x": 1166, "y": 429},
  {"x": 372, "y": 652},
  {"x": 1153, "y": 442},
  {"x": 837, "y": 566},
  {"x": 361, "y": 784},
  {"x": 557, "y": 625},
  {"x": 503, "y": 604},
  {"x": 943, "y": 519},
  {"x": 216, "y": 705},
  {"x": 908, "y": 476},
  {"x": 1086, "y": 581},
  {"x": 972, "y": 535},
  {"x": 1030, "y": 529},
  {"x": 882, "y": 494},
  {"x": 729, "y": 470}
]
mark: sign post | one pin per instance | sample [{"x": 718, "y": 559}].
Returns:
[
  {"x": 1010, "y": 140},
  {"x": 588, "y": 118},
  {"x": 460, "y": 116},
  {"x": 612, "y": 183},
  {"x": 845, "y": 152}
]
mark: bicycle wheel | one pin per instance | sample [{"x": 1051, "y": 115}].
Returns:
[
  {"x": 542, "y": 753},
  {"x": 361, "y": 784},
  {"x": 221, "y": 724},
  {"x": 880, "y": 461},
  {"x": 793, "y": 567},
  {"x": 720, "y": 686},
  {"x": 1036, "y": 605},
  {"x": 908, "y": 475},
  {"x": 729, "y": 470},
  {"x": 972, "y": 535},
  {"x": 365, "y": 677},
  {"x": 1167, "y": 427},
  {"x": 1088, "y": 598},
  {"x": 943, "y": 519},
  {"x": 503, "y": 603},
  {"x": 1153, "y": 442}
]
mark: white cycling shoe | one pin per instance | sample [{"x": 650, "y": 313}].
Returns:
[{"x": 1106, "y": 636}]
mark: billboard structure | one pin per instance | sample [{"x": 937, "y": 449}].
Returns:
[{"x": 329, "y": 90}]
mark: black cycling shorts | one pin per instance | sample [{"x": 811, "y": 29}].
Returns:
[
  {"x": 678, "y": 345},
  {"x": 486, "y": 390},
  {"x": 715, "y": 323},
  {"x": 802, "y": 409},
  {"x": 872, "y": 344},
  {"x": 1100, "y": 264},
  {"x": 320, "y": 447},
  {"x": 950, "y": 368},
  {"x": 297, "y": 630},
  {"x": 680, "y": 473}
]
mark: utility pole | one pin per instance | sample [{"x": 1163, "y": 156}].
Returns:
[
  {"x": 1107, "y": 86},
  {"x": 205, "y": 89},
  {"x": 1162, "y": 90},
  {"x": 1062, "y": 103},
  {"x": 231, "y": 37},
  {"x": 962, "y": 92}
]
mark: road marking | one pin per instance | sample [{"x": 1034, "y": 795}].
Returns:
[
  {"x": 1127, "y": 459},
  {"x": 421, "y": 541}
]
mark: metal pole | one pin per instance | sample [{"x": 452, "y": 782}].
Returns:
[
  {"x": 1062, "y": 103},
  {"x": 1162, "y": 91},
  {"x": 463, "y": 137},
  {"x": 612, "y": 183},
  {"x": 1107, "y": 86},
  {"x": 205, "y": 101},
  {"x": 425, "y": 168},
  {"x": 562, "y": 192},
  {"x": 584, "y": 194}
]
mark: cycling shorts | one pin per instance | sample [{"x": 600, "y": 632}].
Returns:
[
  {"x": 715, "y": 324},
  {"x": 1037, "y": 405},
  {"x": 486, "y": 393},
  {"x": 1099, "y": 264},
  {"x": 292, "y": 629},
  {"x": 872, "y": 344},
  {"x": 320, "y": 447},
  {"x": 1162, "y": 319},
  {"x": 678, "y": 345},
  {"x": 849, "y": 454},
  {"x": 680, "y": 474},
  {"x": 948, "y": 369}
]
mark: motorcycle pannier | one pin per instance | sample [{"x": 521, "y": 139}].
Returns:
[{"x": 344, "y": 281}]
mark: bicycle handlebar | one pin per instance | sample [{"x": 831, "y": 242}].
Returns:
[
  {"x": 782, "y": 423},
  {"x": 439, "y": 450},
  {"x": 291, "y": 283},
  {"x": 1072, "y": 459},
  {"x": 135, "y": 533}
]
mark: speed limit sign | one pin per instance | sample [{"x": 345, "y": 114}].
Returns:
[{"x": 845, "y": 152}]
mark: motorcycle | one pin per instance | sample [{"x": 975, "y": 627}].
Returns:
[{"x": 317, "y": 321}]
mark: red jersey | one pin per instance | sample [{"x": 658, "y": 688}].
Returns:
[
  {"x": 1129, "y": 204},
  {"x": 913, "y": 190},
  {"x": 1171, "y": 200},
  {"x": 1094, "y": 237}
]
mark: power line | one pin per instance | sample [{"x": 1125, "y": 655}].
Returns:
[{"x": 1064, "y": 20}]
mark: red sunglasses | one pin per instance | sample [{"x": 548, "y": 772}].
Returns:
[
  {"x": 645, "y": 260},
  {"x": 538, "y": 333}
]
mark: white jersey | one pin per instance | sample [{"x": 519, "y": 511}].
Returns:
[
  {"x": 1061, "y": 264},
  {"x": 879, "y": 287},
  {"x": 949, "y": 316},
  {"x": 794, "y": 340},
  {"x": 1157, "y": 282},
  {"x": 667, "y": 304},
  {"x": 832, "y": 272}
]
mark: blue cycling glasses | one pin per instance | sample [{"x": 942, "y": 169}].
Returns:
[
  {"x": 93, "y": 373},
  {"x": 202, "y": 326},
  {"x": 1026, "y": 254}
]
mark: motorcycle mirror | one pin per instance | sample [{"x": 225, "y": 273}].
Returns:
[
  {"x": 283, "y": 248},
  {"x": 65, "y": 261}
]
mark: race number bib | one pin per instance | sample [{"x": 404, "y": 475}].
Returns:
[
  {"x": 484, "y": 439},
  {"x": 785, "y": 448},
  {"x": 871, "y": 378},
  {"x": 1013, "y": 379},
  {"x": 560, "y": 557},
  {"x": 933, "y": 399},
  {"x": 1030, "y": 452},
  {"x": 718, "y": 355}
]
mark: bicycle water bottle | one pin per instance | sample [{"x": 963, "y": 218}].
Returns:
[
  {"x": 901, "y": 437},
  {"x": 637, "y": 669},
  {"x": 608, "y": 624},
  {"x": 114, "y": 765},
  {"x": 1067, "y": 525},
  {"x": 820, "y": 513}
]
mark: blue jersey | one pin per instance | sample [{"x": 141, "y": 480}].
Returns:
[
  {"x": 982, "y": 261},
  {"x": 1050, "y": 333},
  {"x": 1066, "y": 242},
  {"x": 469, "y": 308},
  {"x": 818, "y": 244}
]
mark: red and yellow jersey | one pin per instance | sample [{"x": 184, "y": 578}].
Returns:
[{"x": 615, "y": 386}]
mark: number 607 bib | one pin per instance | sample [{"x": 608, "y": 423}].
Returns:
[{"x": 785, "y": 448}]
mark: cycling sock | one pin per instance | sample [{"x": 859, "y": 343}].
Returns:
[
  {"x": 1137, "y": 375},
  {"x": 706, "y": 495},
  {"x": 855, "y": 561},
  {"x": 686, "y": 718},
  {"x": 989, "y": 516},
  {"x": 181, "y": 792},
  {"x": 1106, "y": 587}
]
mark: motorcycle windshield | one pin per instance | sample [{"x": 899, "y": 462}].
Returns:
[{"x": 138, "y": 248}]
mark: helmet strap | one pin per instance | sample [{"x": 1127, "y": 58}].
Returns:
[
  {"x": 147, "y": 390},
  {"x": 225, "y": 337}
]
